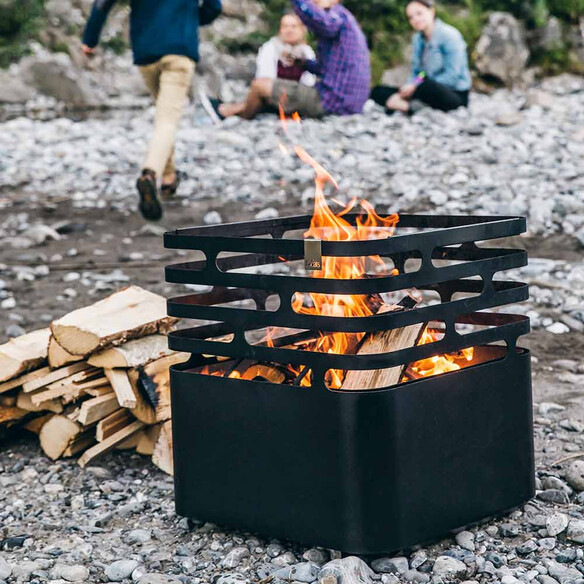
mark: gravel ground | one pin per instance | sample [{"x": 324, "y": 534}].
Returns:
[{"x": 70, "y": 234}]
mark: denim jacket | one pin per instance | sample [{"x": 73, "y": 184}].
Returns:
[{"x": 443, "y": 58}]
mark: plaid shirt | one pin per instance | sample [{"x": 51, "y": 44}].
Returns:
[{"x": 342, "y": 57}]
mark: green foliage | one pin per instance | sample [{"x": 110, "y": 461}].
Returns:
[
  {"x": 552, "y": 61},
  {"x": 273, "y": 11},
  {"x": 519, "y": 8},
  {"x": 60, "y": 47},
  {"x": 469, "y": 20},
  {"x": 566, "y": 9},
  {"x": 117, "y": 45},
  {"x": 20, "y": 21}
]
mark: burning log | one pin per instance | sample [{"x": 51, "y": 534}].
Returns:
[
  {"x": 270, "y": 373},
  {"x": 24, "y": 353},
  {"x": 127, "y": 314},
  {"x": 411, "y": 374},
  {"x": 378, "y": 343}
]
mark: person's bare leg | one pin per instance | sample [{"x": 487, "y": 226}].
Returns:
[
  {"x": 228, "y": 110},
  {"x": 259, "y": 93},
  {"x": 397, "y": 103}
]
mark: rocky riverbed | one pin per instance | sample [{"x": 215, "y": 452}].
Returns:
[{"x": 69, "y": 233}]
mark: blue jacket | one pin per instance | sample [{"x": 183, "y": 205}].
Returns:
[
  {"x": 158, "y": 27},
  {"x": 443, "y": 58}
]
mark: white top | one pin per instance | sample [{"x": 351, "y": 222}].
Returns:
[{"x": 270, "y": 53}]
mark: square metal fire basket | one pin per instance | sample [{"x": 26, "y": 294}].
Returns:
[{"x": 363, "y": 472}]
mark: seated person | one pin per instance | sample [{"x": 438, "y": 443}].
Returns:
[
  {"x": 281, "y": 56},
  {"x": 440, "y": 72},
  {"x": 342, "y": 66}
]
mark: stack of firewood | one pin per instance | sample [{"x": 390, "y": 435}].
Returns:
[{"x": 96, "y": 380}]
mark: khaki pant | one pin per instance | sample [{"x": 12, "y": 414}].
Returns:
[{"x": 169, "y": 80}]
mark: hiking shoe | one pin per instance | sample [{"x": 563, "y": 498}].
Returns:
[
  {"x": 168, "y": 191},
  {"x": 211, "y": 107},
  {"x": 149, "y": 204}
]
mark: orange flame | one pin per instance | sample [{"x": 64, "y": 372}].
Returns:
[
  {"x": 330, "y": 226},
  {"x": 440, "y": 363}
]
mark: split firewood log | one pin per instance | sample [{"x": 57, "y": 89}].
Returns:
[
  {"x": 112, "y": 424},
  {"x": 148, "y": 440},
  {"x": 10, "y": 415},
  {"x": 58, "y": 356},
  {"x": 70, "y": 389},
  {"x": 35, "y": 425},
  {"x": 80, "y": 443},
  {"x": 110, "y": 443},
  {"x": 8, "y": 401},
  {"x": 152, "y": 389},
  {"x": 57, "y": 434},
  {"x": 122, "y": 387},
  {"x": 67, "y": 392},
  {"x": 20, "y": 381},
  {"x": 378, "y": 343},
  {"x": 136, "y": 353},
  {"x": 25, "y": 402},
  {"x": 130, "y": 443},
  {"x": 98, "y": 391},
  {"x": 97, "y": 408},
  {"x": 50, "y": 377},
  {"x": 22, "y": 354},
  {"x": 130, "y": 313},
  {"x": 162, "y": 453}
]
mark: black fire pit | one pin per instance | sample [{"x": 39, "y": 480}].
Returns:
[{"x": 364, "y": 472}]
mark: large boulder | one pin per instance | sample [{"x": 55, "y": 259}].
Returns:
[
  {"x": 575, "y": 41},
  {"x": 502, "y": 52},
  {"x": 62, "y": 12},
  {"x": 550, "y": 36},
  {"x": 57, "y": 76},
  {"x": 13, "y": 89},
  {"x": 118, "y": 76}
]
